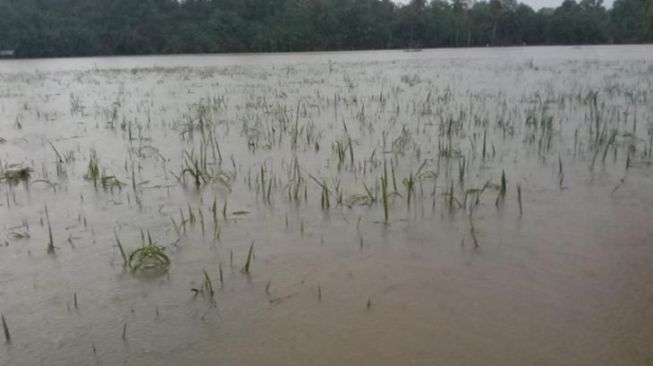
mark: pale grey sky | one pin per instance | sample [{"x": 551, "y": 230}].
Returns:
[{"x": 536, "y": 4}]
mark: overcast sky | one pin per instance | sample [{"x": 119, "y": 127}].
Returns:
[{"x": 537, "y": 4}]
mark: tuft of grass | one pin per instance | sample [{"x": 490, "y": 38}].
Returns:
[
  {"x": 519, "y": 199},
  {"x": 461, "y": 170},
  {"x": 14, "y": 176},
  {"x": 341, "y": 153},
  {"x": 150, "y": 258},
  {"x": 410, "y": 188},
  {"x": 51, "y": 247},
  {"x": 109, "y": 182},
  {"x": 561, "y": 173},
  {"x": 472, "y": 230},
  {"x": 197, "y": 166},
  {"x": 249, "y": 259},
  {"x": 122, "y": 250},
  {"x": 384, "y": 193},
  {"x": 484, "y": 142},
  {"x": 5, "y": 327},
  {"x": 451, "y": 198},
  {"x": 325, "y": 199},
  {"x": 208, "y": 285},
  {"x": 93, "y": 169},
  {"x": 502, "y": 189},
  {"x": 394, "y": 178}
]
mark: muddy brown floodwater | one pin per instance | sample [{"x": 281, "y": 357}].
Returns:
[{"x": 443, "y": 207}]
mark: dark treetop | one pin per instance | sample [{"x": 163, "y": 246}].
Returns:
[{"x": 43, "y": 28}]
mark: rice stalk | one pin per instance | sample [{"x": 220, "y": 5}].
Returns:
[{"x": 248, "y": 263}]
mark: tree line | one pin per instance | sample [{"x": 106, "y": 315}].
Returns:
[{"x": 49, "y": 28}]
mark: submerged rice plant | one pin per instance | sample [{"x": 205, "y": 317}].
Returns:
[
  {"x": 519, "y": 199},
  {"x": 502, "y": 189},
  {"x": 384, "y": 193},
  {"x": 51, "y": 247},
  {"x": 15, "y": 175},
  {"x": 93, "y": 169},
  {"x": 5, "y": 327},
  {"x": 207, "y": 287},
  {"x": 149, "y": 258},
  {"x": 248, "y": 262}
]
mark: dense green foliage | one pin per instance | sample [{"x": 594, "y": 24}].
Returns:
[{"x": 41, "y": 28}]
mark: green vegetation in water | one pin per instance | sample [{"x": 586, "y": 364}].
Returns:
[
  {"x": 13, "y": 176},
  {"x": 93, "y": 173},
  {"x": 472, "y": 229},
  {"x": 109, "y": 182},
  {"x": 452, "y": 201},
  {"x": 410, "y": 188},
  {"x": 248, "y": 263},
  {"x": 384, "y": 193},
  {"x": 195, "y": 169},
  {"x": 93, "y": 169},
  {"x": 325, "y": 195},
  {"x": 51, "y": 247},
  {"x": 267, "y": 287},
  {"x": 122, "y": 250},
  {"x": 149, "y": 258},
  {"x": 502, "y": 189},
  {"x": 521, "y": 211},
  {"x": 5, "y": 327},
  {"x": 207, "y": 287},
  {"x": 451, "y": 172}
]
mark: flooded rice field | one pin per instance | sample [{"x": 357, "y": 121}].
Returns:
[{"x": 443, "y": 207}]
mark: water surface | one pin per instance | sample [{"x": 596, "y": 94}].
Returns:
[{"x": 459, "y": 276}]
